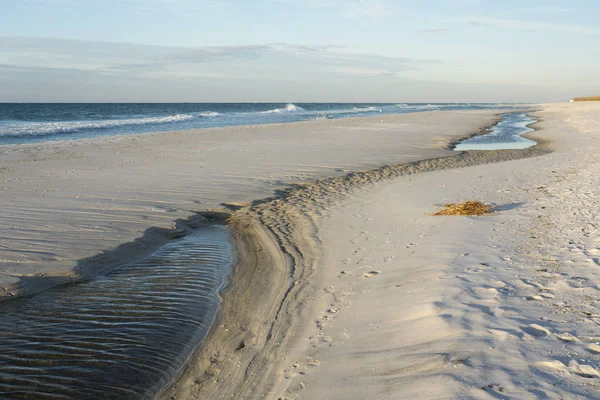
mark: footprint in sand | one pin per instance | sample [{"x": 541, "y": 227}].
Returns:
[
  {"x": 301, "y": 367},
  {"x": 371, "y": 274},
  {"x": 536, "y": 330},
  {"x": 594, "y": 252},
  {"x": 585, "y": 371},
  {"x": 501, "y": 335},
  {"x": 298, "y": 387},
  {"x": 567, "y": 337},
  {"x": 535, "y": 297},
  {"x": 322, "y": 323},
  {"x": 485, "y": 293},
  {"x": 593, "y": 348},
  {"x": 550, "y": 367}
]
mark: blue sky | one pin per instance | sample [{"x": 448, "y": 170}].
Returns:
[{"x": 293, "y": 50}]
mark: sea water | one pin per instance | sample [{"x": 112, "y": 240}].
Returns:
[
  {"x": 124, "y": 335},
  {"x": 506, "y": 134},
  {"x": 30, "y": 122}
]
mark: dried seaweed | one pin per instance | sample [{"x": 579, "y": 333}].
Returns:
[{"x": 465, "y": 208}]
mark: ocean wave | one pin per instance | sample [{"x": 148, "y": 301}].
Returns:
[
  {"x": 346, "y": 111},
  {"x": 289, "y": 108},
  {"x": 53, "y": 128},
  {"x": 209, "y": 114},
  {"x": 366, "y": 109},
  {"x": 417, "y": 107}
]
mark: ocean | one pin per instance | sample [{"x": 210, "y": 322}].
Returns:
[{"x": 37, "y": 122}]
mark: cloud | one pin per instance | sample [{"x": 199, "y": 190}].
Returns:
[
  {"x": 348, "y": 8},
  {"x": 54, "y": 3},
  {"x": 530, "y": 25},
  {"x": 353, "y": 71},
  {"x": 175, "y": 7},
  {"x": 369, "y": 9},
  {"x": 550, "y": 10},
  {"x": 51, "y": 61},
  {"x": 434, "y": 30}
]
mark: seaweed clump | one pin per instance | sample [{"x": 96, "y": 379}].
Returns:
[{"x": 465, "y": 208}]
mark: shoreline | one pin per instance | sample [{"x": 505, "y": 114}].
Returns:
[
  {"x": 29, "y": 283},
  {"x": 234, "y": 334},
  {"x": 318, "y": 115},
  {"x": 369, "y": 118}
]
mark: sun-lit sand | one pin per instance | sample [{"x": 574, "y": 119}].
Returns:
[
  {"x": 389, "y": 301},
  {"x": 348, "y": 287}
]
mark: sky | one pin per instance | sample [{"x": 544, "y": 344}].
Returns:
[{"x": 298, "y": 50}]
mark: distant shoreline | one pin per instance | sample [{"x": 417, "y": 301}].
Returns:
[{"x": 37, "y": 123}]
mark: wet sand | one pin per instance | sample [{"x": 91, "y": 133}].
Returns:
[
  {"x": 373, "y": 296},
  {"x": 126, "y": 334}
]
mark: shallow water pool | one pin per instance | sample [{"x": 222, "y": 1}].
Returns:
[
  {"x": 124, "y": 335},
  {"x": 506, "y": 134}
]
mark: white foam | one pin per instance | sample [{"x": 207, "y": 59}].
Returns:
[
  {"x": 209, "y": 114},
  {"x": 289, "y": 108},
  {"x": 366, "y": 109},
  {"x": 50, "y": 128}
]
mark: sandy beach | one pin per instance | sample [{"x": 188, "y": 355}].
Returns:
[
  {"x": 299, "y": 200},
  {"x": 66, "y": 206},
  {"x": 378, "y": 297},
  {"x": 346, "y": 286}
]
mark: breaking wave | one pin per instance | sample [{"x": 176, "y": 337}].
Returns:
[
  {"x": 53, "y": 128},
  {"x": 289, "y": 108}
]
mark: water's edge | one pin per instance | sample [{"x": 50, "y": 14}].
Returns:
[
  {"x": 508, "y": 133},
  {"x": 124, "y": 334}
]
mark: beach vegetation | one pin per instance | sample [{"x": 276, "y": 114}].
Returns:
[{"x": 592, "y": 98}]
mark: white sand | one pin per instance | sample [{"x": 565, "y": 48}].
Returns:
[
  {"x": 63, "y": 202},
  {"x": 370, "y": 296},
  {"x": 407, "y": 305}
]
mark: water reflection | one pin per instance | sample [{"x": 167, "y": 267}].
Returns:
[{"x": 123, "y": 336}]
